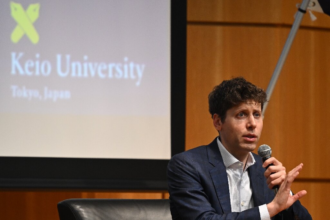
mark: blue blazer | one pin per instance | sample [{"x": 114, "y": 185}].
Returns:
[{"x": 198, "y": 187}]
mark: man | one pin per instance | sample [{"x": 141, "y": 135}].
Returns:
[{"x": 224, "y": 180}]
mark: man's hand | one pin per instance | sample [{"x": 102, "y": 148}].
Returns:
[
  {"x": 283, "y": 198},
  {"x": 274, "y": 174}
]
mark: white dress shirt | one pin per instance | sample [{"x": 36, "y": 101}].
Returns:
[{"x": 239, "y": 183}]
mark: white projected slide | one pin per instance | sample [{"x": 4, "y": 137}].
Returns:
[{"x": 85, "y": 79}]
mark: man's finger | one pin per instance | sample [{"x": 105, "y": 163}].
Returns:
[
  {"x": 273, "y": 169},
  {"x": 295, "y": 170},
  {"x": 300, "y": 194},
  {"x": 271, "y": 160},
  {"x": 291, "y": 176},
  {"x": 297, "y": 196},
  {"x": 276, "y": 178}
]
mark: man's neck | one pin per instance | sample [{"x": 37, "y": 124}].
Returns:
[{"x": 241, "y": 157}]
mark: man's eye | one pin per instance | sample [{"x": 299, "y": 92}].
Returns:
[
  {"x": 257, "y": 114},
  {"x": 241, "y": 114}
]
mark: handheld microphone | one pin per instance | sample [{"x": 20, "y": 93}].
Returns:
[{"x": 265, "y": 152}]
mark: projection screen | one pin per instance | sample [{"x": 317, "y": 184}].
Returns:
[{"x": 90, "y": 97}]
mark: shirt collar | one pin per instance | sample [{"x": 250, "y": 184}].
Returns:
[{"x": 229, "y": 159}]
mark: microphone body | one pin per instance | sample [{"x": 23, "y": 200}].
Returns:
[{"x": 265, "y": 152}]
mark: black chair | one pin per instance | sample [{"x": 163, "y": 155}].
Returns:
[{"x": 118, "y": 209}]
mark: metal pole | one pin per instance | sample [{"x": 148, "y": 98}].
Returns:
[{"x": 299, "y": 15}]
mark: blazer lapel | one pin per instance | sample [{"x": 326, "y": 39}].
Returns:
[
  {"x": 219, "y": 176},
  {"x": 256, "y": 182}
]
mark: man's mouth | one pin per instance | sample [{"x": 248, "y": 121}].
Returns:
[{"x": 250, "y": 137}]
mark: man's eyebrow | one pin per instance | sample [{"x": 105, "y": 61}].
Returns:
[
  {"x": 244, "y": 108},
  {"x": 241, "y": 109}
]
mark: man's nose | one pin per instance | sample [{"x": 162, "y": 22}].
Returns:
[{"x": 251, "y": 123}]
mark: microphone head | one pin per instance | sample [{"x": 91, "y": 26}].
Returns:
[{"x": 265, "y": 151}]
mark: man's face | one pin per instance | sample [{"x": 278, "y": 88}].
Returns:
[{"x": 241, "y": 129}]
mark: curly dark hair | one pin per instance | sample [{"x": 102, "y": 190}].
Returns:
[{"x": 233, "y": 92}]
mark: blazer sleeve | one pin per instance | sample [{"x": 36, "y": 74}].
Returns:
[{"x": 188, "y": 197}]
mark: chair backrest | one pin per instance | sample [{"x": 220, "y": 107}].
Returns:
[{"x": 118, "y": 209}]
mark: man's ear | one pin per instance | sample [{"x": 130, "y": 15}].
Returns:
[{"x": 217, "y": 122}]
